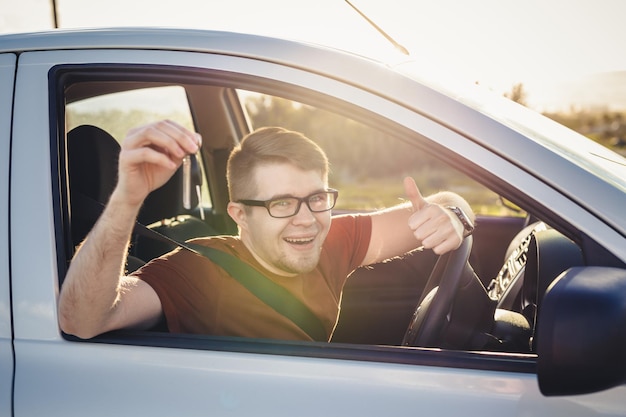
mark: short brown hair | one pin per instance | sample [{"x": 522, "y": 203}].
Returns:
[{"x": 269, "y": 145}]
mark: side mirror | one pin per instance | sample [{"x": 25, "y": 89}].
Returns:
[{"x": 581, "y": 332}]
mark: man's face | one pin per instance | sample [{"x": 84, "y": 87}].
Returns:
[{"x": 291, "y": 245}]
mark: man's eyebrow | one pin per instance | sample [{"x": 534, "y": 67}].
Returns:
[{"x": 279, "y": 196}]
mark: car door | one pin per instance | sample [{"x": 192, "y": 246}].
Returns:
[
  {"x": 130, "y": 373},
  {"x": 7, "y": 72}
]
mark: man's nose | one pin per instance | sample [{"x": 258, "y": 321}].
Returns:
[{"x": 304, "y": 215}]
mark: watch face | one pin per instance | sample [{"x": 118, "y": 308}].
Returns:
[{"x": 465, "y": 221}]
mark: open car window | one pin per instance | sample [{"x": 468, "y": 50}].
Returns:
[{"x": 369, "y": 155}]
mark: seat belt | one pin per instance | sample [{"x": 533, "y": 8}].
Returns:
[
  {"x": 269, "y": 292},
  {"x": 272, "y": 294}
]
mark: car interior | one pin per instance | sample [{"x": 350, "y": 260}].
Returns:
[{"x": 484, "y": 296}]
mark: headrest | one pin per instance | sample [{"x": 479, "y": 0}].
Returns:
[
  {"x": 93, "y": 158},
  {"x": 164, "y": 202},
  {"x": 92, "y": 166}
]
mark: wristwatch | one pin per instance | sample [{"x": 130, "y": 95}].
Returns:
[{"x": 465, "y": 221}]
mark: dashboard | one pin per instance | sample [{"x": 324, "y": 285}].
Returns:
[{"x": 535, "y": 258}]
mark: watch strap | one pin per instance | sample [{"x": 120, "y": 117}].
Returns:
[{"x": 465, "y": 221}]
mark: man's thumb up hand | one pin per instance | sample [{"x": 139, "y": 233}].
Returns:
[{"x": 413, "y": 194}]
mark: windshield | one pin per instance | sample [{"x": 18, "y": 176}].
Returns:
[{"x": 594, "y": 157}]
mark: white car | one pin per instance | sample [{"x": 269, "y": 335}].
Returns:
[{"x": 536, "y": 326}]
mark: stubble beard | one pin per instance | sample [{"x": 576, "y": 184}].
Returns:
[{"x": 299, "y": 264}]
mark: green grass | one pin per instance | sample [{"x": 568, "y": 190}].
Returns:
[{"x": 387, "y": 192}]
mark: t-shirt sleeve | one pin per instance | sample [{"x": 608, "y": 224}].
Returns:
[
  {"x": 349, "y": 236},
  {"x": 174, "y": 279}
]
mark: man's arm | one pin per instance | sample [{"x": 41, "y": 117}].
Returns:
[
  {"x": 95, "y": 296},
  {"x": 95, "y": 293},
  {"x": 420, "y": 222}
]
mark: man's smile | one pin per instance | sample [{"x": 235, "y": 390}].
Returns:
[{"x": 300, "y": 240}]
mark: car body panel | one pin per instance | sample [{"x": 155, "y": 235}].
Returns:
[
  {"x": 7, "y": 72},
  {"x": 131, "y": 380},
  {"x": 68, "y": 377},
  {"x": 35, "y": 312}
]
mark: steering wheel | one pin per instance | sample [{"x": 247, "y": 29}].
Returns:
[{"x": 431, "y": 317}]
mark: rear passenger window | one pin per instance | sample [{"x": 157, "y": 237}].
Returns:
[
  {"x": 98, "y": 116},
  {"x": 116, "y": 113}
]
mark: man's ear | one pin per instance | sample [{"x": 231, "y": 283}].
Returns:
[{"x": 237, "y": 212}]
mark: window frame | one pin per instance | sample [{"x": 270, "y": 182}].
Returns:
[{"x": 61, "y": 75}]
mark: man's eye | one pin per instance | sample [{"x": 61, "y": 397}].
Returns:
[
  {"x": 282, "y": 203},
  {"x": 318, "y": 198}
]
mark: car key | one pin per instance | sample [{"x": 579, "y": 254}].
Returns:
[{"x": 192, "y": 182}]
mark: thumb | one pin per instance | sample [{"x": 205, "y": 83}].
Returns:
[{"x": 413, "y": 194}]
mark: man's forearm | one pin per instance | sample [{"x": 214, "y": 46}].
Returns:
[
  {"x": 421, "y": 221},
  {"x": 92, "y": 296},
  {"x": 92, "y": 284}
]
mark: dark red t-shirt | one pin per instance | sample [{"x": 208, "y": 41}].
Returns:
[{"x": 199, "y": 297}]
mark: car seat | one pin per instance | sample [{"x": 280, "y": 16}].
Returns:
[
  {"x": 92, "y": 166},
  {"x": 164, "y": 213}
]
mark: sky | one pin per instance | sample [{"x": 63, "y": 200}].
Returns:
[{"x": 497, "y": 43}]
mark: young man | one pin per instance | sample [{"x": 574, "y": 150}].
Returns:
[{"x": 280, "y": 200}]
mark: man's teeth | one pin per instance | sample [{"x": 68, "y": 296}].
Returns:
[{"x": 300, "y": 241}]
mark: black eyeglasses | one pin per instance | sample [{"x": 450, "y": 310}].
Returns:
[{"x": 290, "y": 206}]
